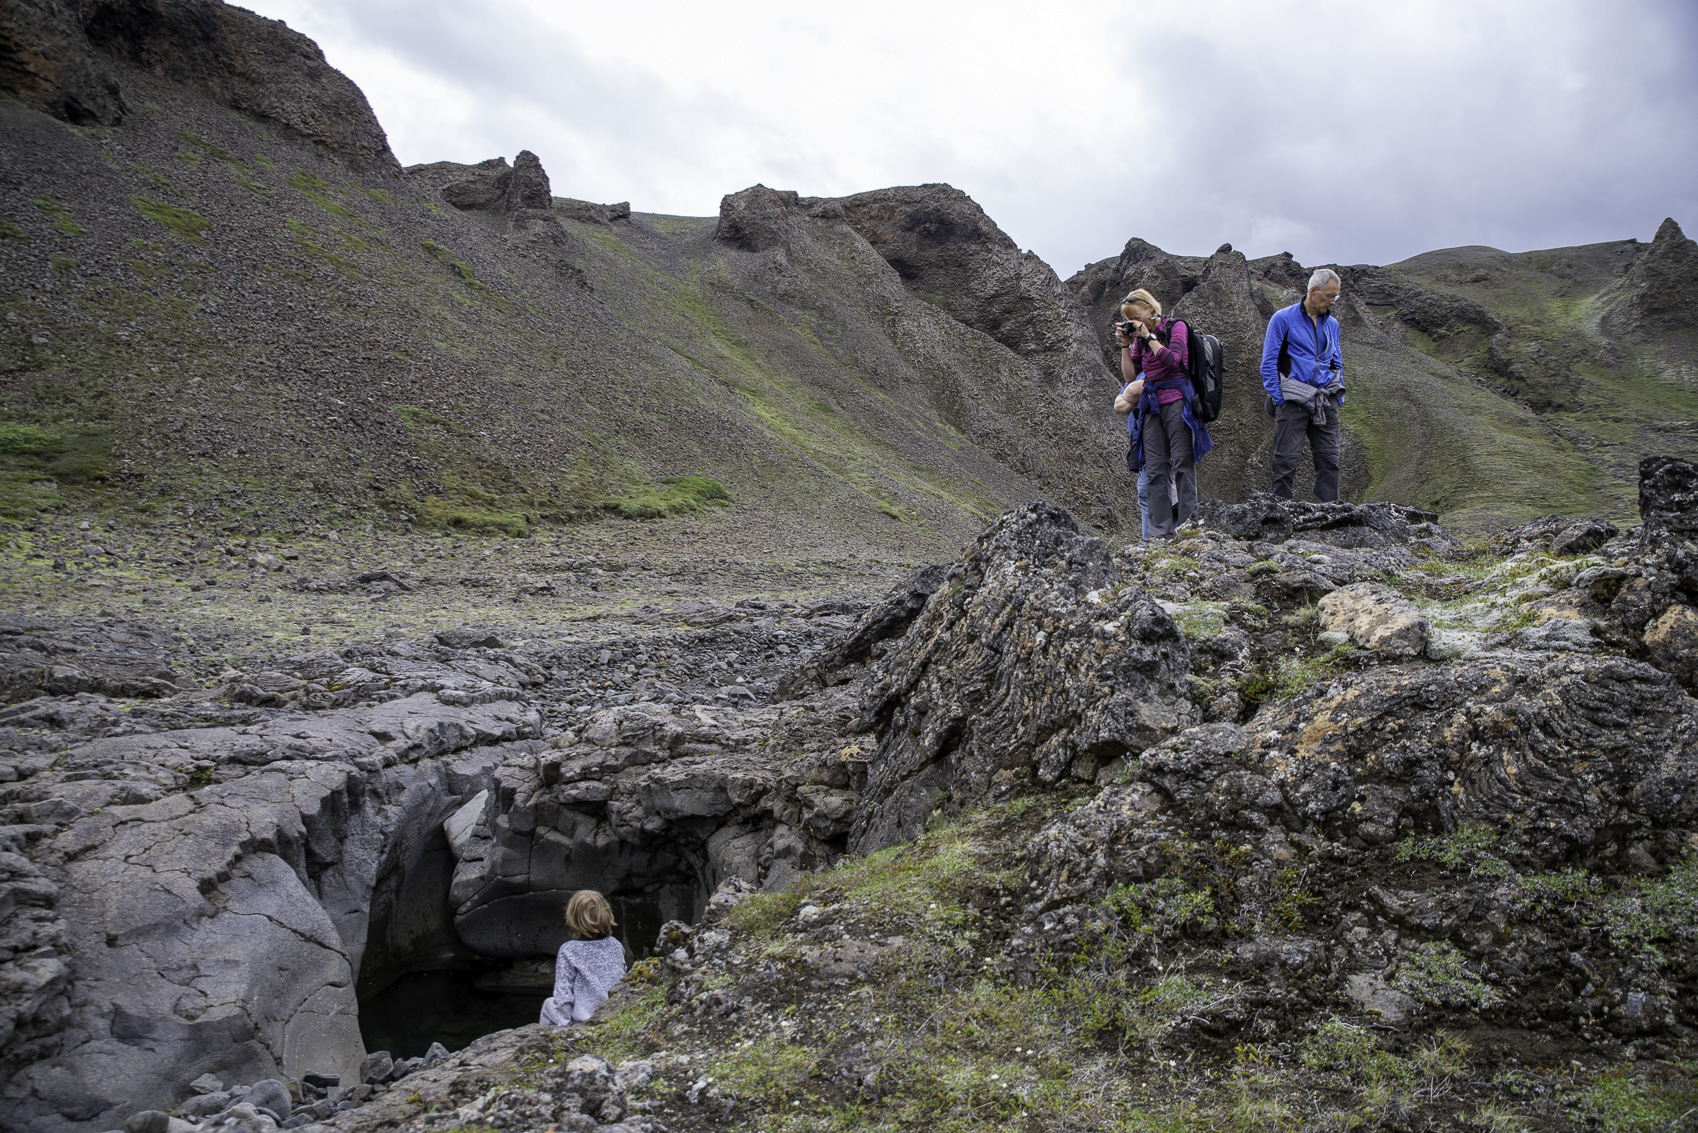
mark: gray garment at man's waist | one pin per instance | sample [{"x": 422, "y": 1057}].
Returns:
[{"x": 1312, "y": 398}]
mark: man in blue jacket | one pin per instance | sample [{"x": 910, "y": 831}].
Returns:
[{"x": 1302, "y": 372}]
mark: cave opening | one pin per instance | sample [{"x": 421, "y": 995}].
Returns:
[{"x": 429, "y": 972}]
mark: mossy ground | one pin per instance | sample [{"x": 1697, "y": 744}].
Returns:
[{"x": 961, "y": 1044}]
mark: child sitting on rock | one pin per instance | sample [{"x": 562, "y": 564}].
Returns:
[{"x": 588, "y": 965}]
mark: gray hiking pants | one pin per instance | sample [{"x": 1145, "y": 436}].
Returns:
[
  {"x": 1167, "y": 457},
  {"x": 1292, "y": 424}
]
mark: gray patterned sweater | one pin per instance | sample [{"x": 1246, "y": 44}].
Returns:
[{"x": 584, "y": 972}]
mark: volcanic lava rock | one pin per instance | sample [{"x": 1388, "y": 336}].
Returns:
[
  {"x": 1030, "y": 663},
  {"x": 39, "y": 658},
  {"x": 656, "y": 806},
  {"x": 528, "y": 186},
  {"x": 176, "y": 859},
  {"x": 1656, "y": 604},
  {"x": 942, "y": 244},
  {"x": 889, "y": 618},
  {"x": 1271, "y": 520},
  {"x": 759, "y": 219}
]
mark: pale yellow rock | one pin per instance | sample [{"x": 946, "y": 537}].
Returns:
[{"x": 1375, "y": 617}]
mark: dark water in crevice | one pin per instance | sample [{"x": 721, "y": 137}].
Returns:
[{"x": 446, "y": 1007}]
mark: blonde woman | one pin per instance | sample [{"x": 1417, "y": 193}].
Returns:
[
  {"x": 1168, "y": 437},
  {"x": 588, "y": 965}
]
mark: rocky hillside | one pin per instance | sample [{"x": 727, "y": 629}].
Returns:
[
  {"x": 1317, "y": 811},
  {"x": 223, "y": 293}
]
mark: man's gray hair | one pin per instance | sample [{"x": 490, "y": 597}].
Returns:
[{"x": 1322, "y": 277}]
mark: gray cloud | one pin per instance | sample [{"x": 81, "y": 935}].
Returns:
[{"x": 1341, "y": 131}]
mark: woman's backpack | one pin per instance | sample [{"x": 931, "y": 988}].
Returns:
[{"x": 1206, "y": 363}]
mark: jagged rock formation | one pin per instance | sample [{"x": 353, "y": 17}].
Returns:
[
  {"x": 957, "y": 718},
  {"x": 1656, "y": 607},
  {"x": 888, "y": 619},
  {"x": 1659, "y": 293},
  {"x": 948, "y": 251},
  {"x": 489, "y": 186},
  {"x": 66, "y": 58},
  {"x": 1063, "y": 443}
]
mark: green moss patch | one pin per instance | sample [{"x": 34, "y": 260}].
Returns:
[
  {"x": 1438, "y": 973},
  {"x": 317, "y": 190},
  {"x": 61, "y": 215},
  {"x": 443, "y": 515},
  {"x": 35, "y": 461},
  {"x": 190, "y": 225},
  {"x": 213, "y": 151},
  {"x": 446, "y": 258},
  {"x": 1641, "y": 1101},
  {"x": 671, "y": 495}
]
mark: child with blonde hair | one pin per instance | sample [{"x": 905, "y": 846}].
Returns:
[{"x": 588, "y": 965}]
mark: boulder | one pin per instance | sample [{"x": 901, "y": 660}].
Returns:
[
  {"x": 467, "y": 637},
  {"x": 1558, "y": 534},
  {"x": 269, "y": 1093},
  {"x": 1267, "y": 519},
  {"x": 1376, "y": 618},
  {"x": 759, "y": 219}
]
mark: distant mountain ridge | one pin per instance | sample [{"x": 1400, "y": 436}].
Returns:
[{"x": 223, "y": 292}]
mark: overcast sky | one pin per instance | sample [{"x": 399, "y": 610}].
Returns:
[{"x": 1347, "y": 131}]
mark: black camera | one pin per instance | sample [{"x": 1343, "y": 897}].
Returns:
[{"x": 1126, "y": 327}]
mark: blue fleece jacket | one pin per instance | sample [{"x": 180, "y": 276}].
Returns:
[{"x": 1306, "y": 349}]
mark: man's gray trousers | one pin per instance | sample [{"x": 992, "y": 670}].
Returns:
[{"x": 1293, "y": 423}]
